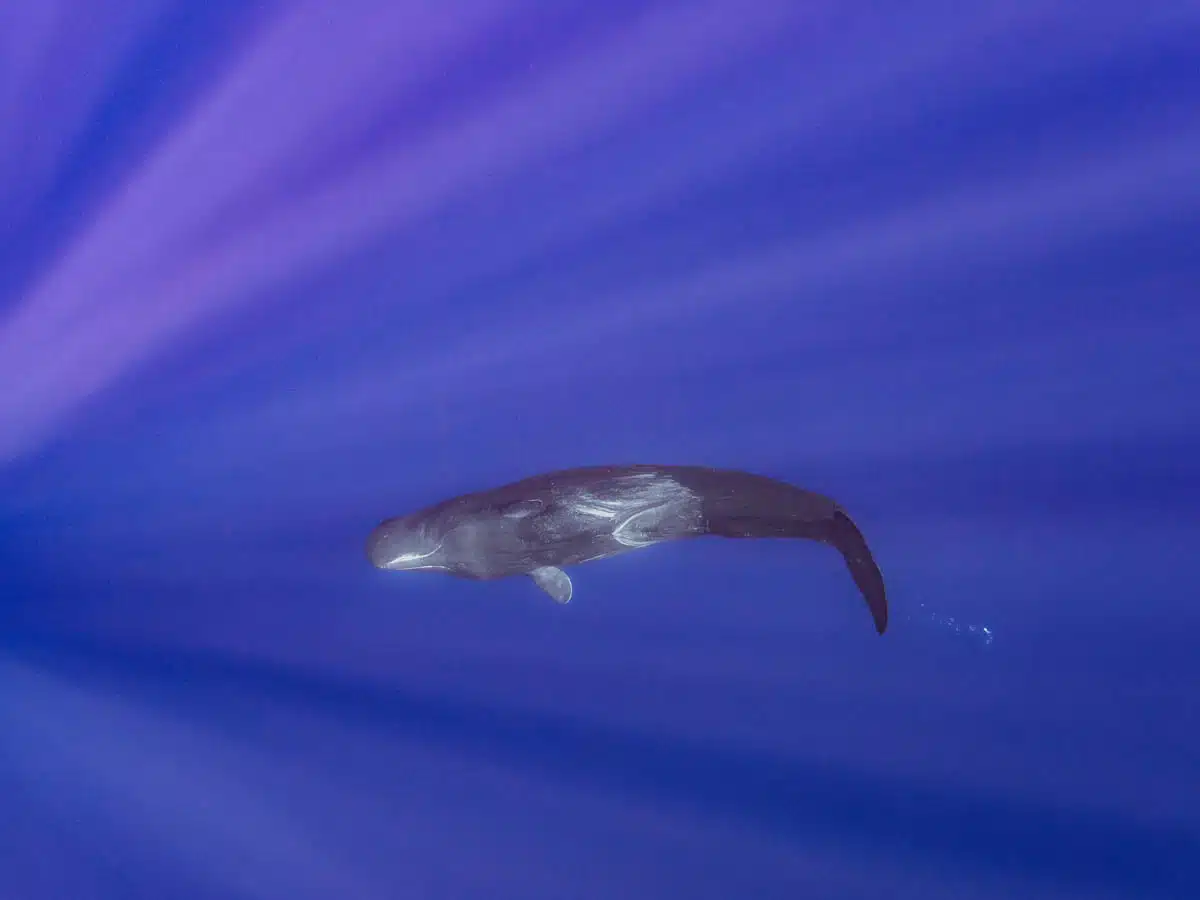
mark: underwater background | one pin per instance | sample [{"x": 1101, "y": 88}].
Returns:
[{"x": 272, "y": 272}]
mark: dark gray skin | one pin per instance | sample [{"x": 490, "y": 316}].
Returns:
[{"x": 538, "y": 525}]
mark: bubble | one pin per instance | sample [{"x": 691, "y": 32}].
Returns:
[{"x": 981, "y": 634}]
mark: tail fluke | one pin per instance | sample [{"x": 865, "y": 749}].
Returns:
[
  {"x": 783, "y": 511},
  {"x": 845, "y": 536}
]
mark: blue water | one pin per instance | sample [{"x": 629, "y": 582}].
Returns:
[{"x": 269, "y": 274}]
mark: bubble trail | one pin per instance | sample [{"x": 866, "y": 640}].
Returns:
[{"x": 980, "y": 633}]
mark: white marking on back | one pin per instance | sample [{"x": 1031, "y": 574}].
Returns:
[
  {"x": 631, "y": 522},
  {"x": 625, "y": 498},
  {"x": 596, "y": 512}
]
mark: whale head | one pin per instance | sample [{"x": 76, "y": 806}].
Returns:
[{"x": 404, "y": 545}]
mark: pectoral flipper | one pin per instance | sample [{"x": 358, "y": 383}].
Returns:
[{"x": 554, "y": 581}]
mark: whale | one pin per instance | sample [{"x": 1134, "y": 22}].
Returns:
[{"x": 541, "y": 525}]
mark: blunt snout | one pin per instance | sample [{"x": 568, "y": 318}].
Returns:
[
  {"x": 397, "y": 546},
  {"x": 379, "y": 542}
]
